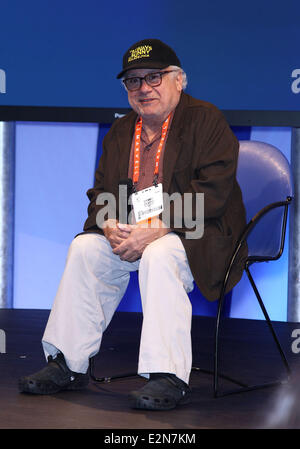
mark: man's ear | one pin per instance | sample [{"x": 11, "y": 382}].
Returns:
[{"x": 179, "y": 80}]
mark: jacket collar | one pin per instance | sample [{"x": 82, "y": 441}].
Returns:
[
  {"x": 125, "y": 135},
  {"x": 174, "y": 142}
]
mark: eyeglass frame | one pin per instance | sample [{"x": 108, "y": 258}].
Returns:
[{"x": 142, "y": 78}]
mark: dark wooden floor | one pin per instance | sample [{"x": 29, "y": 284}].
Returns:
[{"x": 248, "y": 354}]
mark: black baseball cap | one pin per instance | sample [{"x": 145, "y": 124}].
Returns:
[{"x": 149, "y": 54}]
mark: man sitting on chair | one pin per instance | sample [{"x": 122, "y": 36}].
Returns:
[{"x": 170, "y": 143}]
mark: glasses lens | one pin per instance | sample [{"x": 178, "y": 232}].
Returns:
[
  {"x": 153, "y": 79},
  {"x": 132, "y": 83}
]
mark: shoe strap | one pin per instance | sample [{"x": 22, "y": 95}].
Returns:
[
  {"x": 60, "y": 361},
  {"x": 171, "y": 378}
]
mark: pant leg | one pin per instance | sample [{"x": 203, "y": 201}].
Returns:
[
  {"x": 92, "y": 286},
  {"x": 165, "y": 279}
]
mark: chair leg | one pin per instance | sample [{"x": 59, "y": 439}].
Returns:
[
  {"x": 217, "y": 375},
  {"x": 266, "y": 315},
  {"x": 106, "y": 379},
  {"x": 216, "y": 349}
]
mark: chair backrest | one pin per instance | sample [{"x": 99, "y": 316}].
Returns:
[{"x": 265, "y": 177}]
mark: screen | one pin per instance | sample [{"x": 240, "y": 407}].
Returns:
[{"x": 67, "y": 53}]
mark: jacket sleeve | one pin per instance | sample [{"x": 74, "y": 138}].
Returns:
[
  {"x": 97, "y": 189},
  {"x": 210, "y": 177},
  {"x": 216, "y": 172}
]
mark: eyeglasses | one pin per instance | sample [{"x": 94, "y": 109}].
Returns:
[{"x": 152, "y": 79}]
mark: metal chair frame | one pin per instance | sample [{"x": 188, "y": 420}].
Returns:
[{"x": 249, "y": 261}]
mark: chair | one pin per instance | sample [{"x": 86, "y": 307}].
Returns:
[{"x": 265, "y": 179}]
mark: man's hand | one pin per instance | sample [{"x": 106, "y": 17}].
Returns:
[
  {"x": 114, "y": 232},
  {"x": 138, "y": 237}
]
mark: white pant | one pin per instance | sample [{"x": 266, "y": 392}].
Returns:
[{"x": 92, "y": 286}]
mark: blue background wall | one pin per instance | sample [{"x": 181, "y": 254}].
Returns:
[{"x": 68, "y": 52}]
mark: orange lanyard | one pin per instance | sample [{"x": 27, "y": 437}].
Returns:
[{"x": 137, "y": 141}]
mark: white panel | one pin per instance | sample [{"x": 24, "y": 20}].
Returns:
[{"x": 55, "y": 165}]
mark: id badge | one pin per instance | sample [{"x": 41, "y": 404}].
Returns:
[{"x": 148, "y": 203}]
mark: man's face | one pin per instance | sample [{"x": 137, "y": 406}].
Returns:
[{"x": 154, "y": 104}]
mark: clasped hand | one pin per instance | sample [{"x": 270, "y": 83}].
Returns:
[{"x": 129, "y": 241}]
